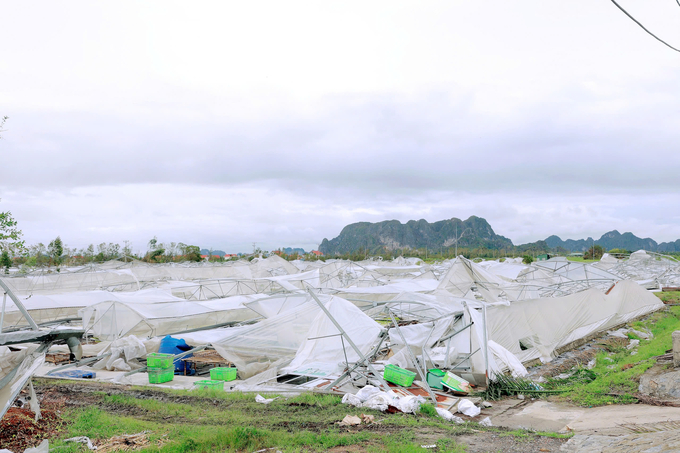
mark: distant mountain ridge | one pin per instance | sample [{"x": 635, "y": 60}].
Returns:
[
  {"x": 214, "y": 252},
  {"x": 415, "y": 234},
  {"x": 291, "y": 250},
  {"x": 614, "y": 240},
  {"x": 471, "y": 233}
]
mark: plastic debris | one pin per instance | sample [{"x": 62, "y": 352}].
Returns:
[
  {"x": 633, "y": 344},
  {"x": 466, "y": 407},
  {"x": 44, "y": 447},
  {"x": 448, "y": 416},
  {"x": 351, "y": 399},
  {"x": 367, "y": 392},
  {"x": 378, "y": 401},
  {"x": 456, "y": 383},
  {"x": 350, "y": 420},
  {"x": 261, "y": 399},
  {"x": 410, "y": 404},
  {"x": 486, "y": 422},
  {"x": 83, "y": 440},
  {"x": 367, "y": 418}
]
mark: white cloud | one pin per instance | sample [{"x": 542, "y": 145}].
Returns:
[{"x": 230, "y": 123}]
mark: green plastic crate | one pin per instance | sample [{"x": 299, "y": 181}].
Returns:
[
  {"x": 209, "y": 384},
  {"x": 434, "y": 378},
  {"x": 158, "y": 360},
  {"x": 398, "y": 376},
  {"x": 456, "y": 383},
  {"x": 223, "y": 374},
  {"x": 160, "y": 375}
]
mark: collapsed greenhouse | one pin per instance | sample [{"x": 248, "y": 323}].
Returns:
[{"x": 331, "y": 326}]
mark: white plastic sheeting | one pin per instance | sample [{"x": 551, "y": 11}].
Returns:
[
  {"x": 46, "y": 308},
  {"x": 17, "y": 368},
  {"x": 112, "y": 319},
  {"x": 543, "y": 325},
  {"x": 291, "y": 338}
]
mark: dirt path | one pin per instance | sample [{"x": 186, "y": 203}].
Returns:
[{"x": 76, "y": 395}]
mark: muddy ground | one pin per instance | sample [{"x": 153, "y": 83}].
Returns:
[{"x": 58, "y": 396}]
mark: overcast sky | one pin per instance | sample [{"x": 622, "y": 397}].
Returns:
[{"x": 222, "y": 123}]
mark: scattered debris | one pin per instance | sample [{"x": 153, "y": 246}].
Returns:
[
  {"x": 126, "y": 442},
  {"x": 448, "y": 416},
  {"x": 466, "y": 407},
  {"x": 19, "y": 429},
  {"x": 263, "y": 400},
  {"x": 367, "y": 418},
  {"x": 350, "y": 420},
  {"x": 83, "y": 440}
]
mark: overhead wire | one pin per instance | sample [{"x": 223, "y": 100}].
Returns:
[{"x": 643, "y": 27}]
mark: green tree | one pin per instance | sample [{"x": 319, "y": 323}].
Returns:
[
  {"x": 191, "y": 252},
  {"x": 5, "y": 261},
  {"x": 594, "y": 253},
  {"x": 10, "y": 235},
  {"x": 527, "y": 259},
  {"x": 56, "y": 249},
  {"x": 89, "y": 253}
]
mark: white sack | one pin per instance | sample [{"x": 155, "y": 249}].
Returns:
[
  {"x": 367, "y": 392},
  {"x": 410, "y": 404},
  {"x": 379, "y": 401},
  {"x": 467, "y": 407},
  {"x": 351, "y": 399}
]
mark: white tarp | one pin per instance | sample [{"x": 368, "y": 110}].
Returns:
[{"x": 291, "y": 337}]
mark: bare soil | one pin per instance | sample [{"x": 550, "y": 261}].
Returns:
[{"x": 18, "y": 430}]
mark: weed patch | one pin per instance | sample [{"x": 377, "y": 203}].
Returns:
[{"x": 614, "y": 378}]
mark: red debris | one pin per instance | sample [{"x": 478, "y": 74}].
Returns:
[{"x": 19, "y": 430}]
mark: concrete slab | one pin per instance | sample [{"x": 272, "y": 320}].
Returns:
[
  {"x": 561, "y": 417},
  {"x": 118, "y": 377}
]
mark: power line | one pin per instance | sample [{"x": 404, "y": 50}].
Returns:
[{"x": 643, "y": 27}]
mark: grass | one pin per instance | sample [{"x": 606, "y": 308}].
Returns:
[
  {"x": 579, "y": 259},
  {"x": 617, "y": 371},
  {"x": 669, "y": 297},
  {"x": 207, "y": 421}
]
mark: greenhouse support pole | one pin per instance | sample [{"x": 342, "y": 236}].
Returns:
[
  {"x": 486, "y": 346},
  {"x": 2, "y": 313},
  {"x": 349, "y": 340},
  {"x": 19, "y": 305}
]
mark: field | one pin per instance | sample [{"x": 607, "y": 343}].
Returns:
[{"x": 208, "y": 421}]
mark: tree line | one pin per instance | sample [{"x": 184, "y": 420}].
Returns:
[{"x": 57, "y": 254}]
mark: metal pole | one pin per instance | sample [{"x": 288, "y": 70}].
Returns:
[
  {"x": 349, "y": 340},
  {"x": 423, "y": 377},
  {"x": 2, "y": 314},
  {"x": 19, "y": 305},
  {"x": 486, "y": 346}
]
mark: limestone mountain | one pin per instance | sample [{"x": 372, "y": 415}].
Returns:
[
  {"x": 612, "y": 240},
  {"x": 415, "y": 234}
]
